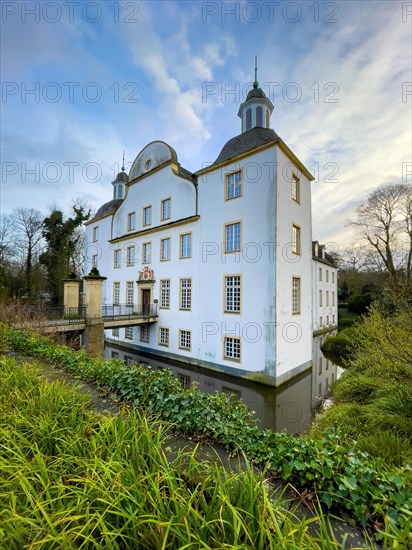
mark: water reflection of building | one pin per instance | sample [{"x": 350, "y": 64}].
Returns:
[{"x": 285, "y": 408}]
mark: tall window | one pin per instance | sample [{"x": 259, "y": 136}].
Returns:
[
  {"x": 333, "y": 276},
  {"x": 267, "y": 119},
  {"x": 116, "y": 293},
  {"x": 259, "y": 116},
  {"x": 232, "y": 293},
  {"x": 232, "y": 237},
  {"x": 320, "y": 274},
  {"x": 163, "y": 336},
  {"x": 296, "y": 239},
  {"x": 185, "y": 339},
  {"x": 147, "y": 215},
  {"x": 95, "y": 233},
  {"x": 295, "y": 188},
  {"x": 145, "y": 333},
  {"x": 186, "y": 294},
  {"x": 131, "y": 221},
  {"x": 186, "y": 245},
  {"x": 184, "y": 380},
  {"x": 129, "y": 293},
  {"x": 233, "y": 185},
  {"x": 320, "y": 298},
  {"x": 327, "y": 275},
  {"x": 165, "y": 250},
  {"x": 165, "y": 293},
  {"x": 128, "y": 333},
  {"x": 249, "y": 119},
  {"x": 327, "y": 298},
  {"x": 147, "y": 253},
  {"x": 94, "y": 260},
  {"x": 333, "y": 297},
  {"x": 116, "y": 257},
  {"x": 130, "y": 255},
  {"x": 295, "y": 295},
  {"x": 232, "y": 348},
  {"x": 166, "y": 209}
]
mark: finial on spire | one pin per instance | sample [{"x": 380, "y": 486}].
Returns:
[
  {"x": 256, "y": 83},
  {"x": 123, "y": 163}
]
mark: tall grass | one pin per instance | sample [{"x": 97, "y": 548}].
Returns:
[{"x": 72, "y": 478}]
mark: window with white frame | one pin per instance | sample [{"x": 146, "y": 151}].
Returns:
[
  {"x": 115, "y": 333},
  {"x": 185, "y": 339},
  {"x": 234, "y": 185},
  {"x": 163, "y": 336},
  {"x": 95, "y": 233},
  {"x": 295, "y": 295},
  {"x": 131, "y": 253},
  {"x": 116, "y": 258},
  {"x": 320, "y": 298},
  {"x": 296, "y": 239},
  {"x": 131, "y": 221},
  {"x": 116, "y": 293},
  {"x": 320, "y": 322},
  {"x": 184, "y": 380},
  {"x": 333, "y": 276},
  {"x": 165, "y": 250},
  {"x": 320, "y": 364},
  {"x": 295, "y": 188},
  {"x": 165, "y": 293},
  {"x": 147, "y": 253},
  {"x": 232, "y": 348},
  {"x": 147, "y": 215},
  {"x": 232, "y": 293},
  {"x": 232, "y": 237},
  {"x": 327, "y": 298},
  {"x": 333, "y": 297},
  {"x": 327, "y": 275},
  {"x": 249, "y": 119},
  {"x": 259, "y": 116},
  {"x": 129, "y": 293},
  {"x": 166, "y": 208},
  {"x": 320, "y": 274},
  {"x": 185, "y": 294},
  {"x": 145, "y": 333},
  {"x": 186, "y": 245},
  {"x": 95, "y": 259},
  {"x": 327, "y": 319},
  {"x": 128, "y": 333}
]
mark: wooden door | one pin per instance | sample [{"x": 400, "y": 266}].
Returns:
[{"x": 146, "y": 301}]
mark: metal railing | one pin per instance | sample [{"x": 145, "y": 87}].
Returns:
[
  {"x": 125, "y": 311},
  {"x": 44, "y": 313}
]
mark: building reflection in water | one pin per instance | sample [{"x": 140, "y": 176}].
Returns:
[{"x": 286, "y": 408}]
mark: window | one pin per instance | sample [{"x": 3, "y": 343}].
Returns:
[
  {"x": 147, "y": 253},
  {"x": 163, "y": 336},
  {"x": 295, "y": 295},
  {"x": 295, "y": 188},
  {"x": 128, "y": 333},
  {"x": 320, "y": 274},
  {"x": 186, "y": 245},
  {"x": 232, "y": 348},
  {"x": 116, "y": 257},
  {"x": 145, "y": 333},
  {"x": 147, "y": 215},
  {"x": 327, "y": 275},
  {"x": 333, "y": 319},
  {"x": 320, "y": 364},
  {"x": 95, "y": 233},
  {"x": 232, "y": 293},
  {"x": 115, "y": 333},
  {"x": 129, "y": 293},
  {"x": 131, "y": 221},
  {"x": 320, "y": 323},
  {"x": 327, "y": 319},
  {"x": 249, "y": 119},
  {"x": 165, "y": 250},
  {"x": 115, "y": 354},
  {"x": 320, "y": 298},
  {"x": 186, "y": 294},
  {"x": 333, "y": 276},
  {"x": 327, "y": 298},
  {"x": 165, "y": 293},
  {"x": 259, "y": 116},
  {"x": 295, "y": 239},
  {"x": 233, "y": 394},
  {"x": 128, "y": 361},
  {"x": 116, "y": 293},
  {"x": 94, "y": 260},
  {"x": 184, "y": 380},
  {"x": 185, "y": 339},
  {"x": 234, "y": 185},
  {"x": 165, "y": 209},
  {"x": 232, "y": 237},
  {"x": 130, "y": 256}
]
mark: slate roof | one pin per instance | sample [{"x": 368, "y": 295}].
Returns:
[
  {"x": 108, "y": 208},
  {"x": 246, "y": 142}
]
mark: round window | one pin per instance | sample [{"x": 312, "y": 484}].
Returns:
[{"x": 148, "y": 164}]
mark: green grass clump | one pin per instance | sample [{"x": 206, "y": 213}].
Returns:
[{"x": 71, "y": 478}]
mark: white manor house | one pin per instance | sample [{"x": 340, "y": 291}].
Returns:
[{"x": 225, "y": 254}]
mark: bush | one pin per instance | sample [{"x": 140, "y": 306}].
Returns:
[{"x": 341, "y": 344}]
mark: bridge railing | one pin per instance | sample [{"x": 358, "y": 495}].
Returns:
[
  {"x": 126, "y": 311},
  {"x": 66, "y": 315}
]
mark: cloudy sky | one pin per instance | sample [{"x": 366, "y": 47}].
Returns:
[{"x": 83, "y": 81}]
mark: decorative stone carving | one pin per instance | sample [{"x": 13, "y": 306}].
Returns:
[{"x": 146, "y": 274}]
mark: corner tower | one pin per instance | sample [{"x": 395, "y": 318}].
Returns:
[{"x": 256, "y": 110}]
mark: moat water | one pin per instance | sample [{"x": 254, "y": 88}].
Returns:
[{"x": 289, "y": 407}]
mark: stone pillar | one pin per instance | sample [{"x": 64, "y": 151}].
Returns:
[
  {"x": 94, "y": 319},
  {"x": 71, "y": 292}
]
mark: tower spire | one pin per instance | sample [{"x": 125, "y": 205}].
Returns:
[
  {"x": 123, "y": 163},
  {"x": 256, "y": 83}
]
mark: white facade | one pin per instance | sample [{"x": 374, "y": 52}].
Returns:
[
  {"x": 227, "y": 252},
  {"x": 325, "y": 295}
]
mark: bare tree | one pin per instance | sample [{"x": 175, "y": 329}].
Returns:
[
  {"x": 6, "y": 237},
  {"x": 384, "y": 224}
]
